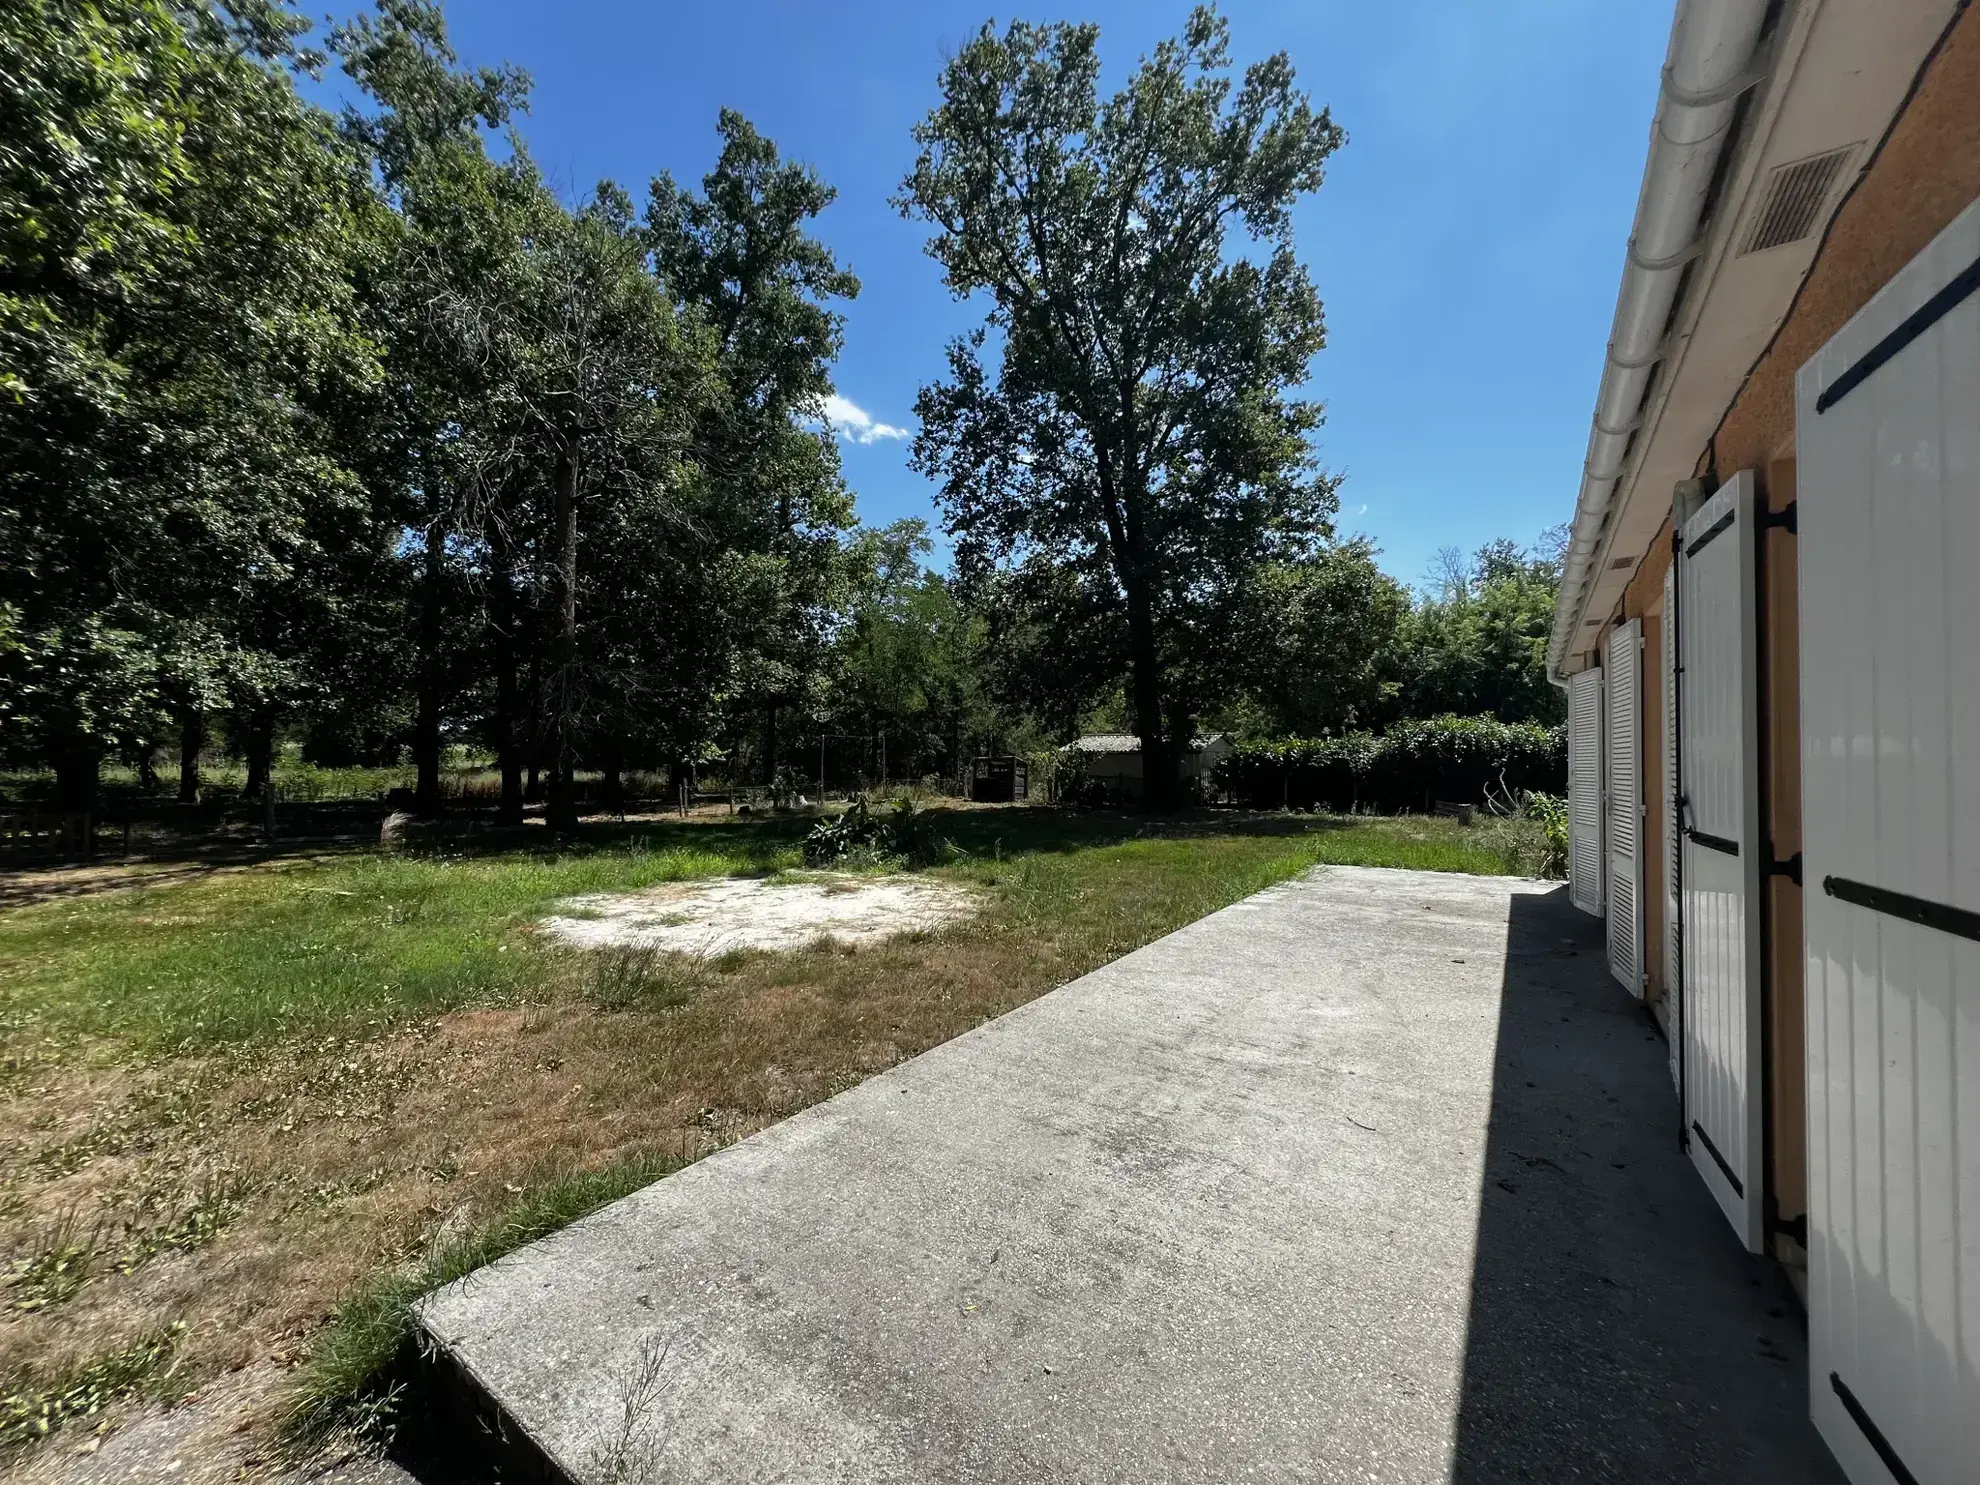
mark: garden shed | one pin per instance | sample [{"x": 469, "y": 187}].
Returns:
[{"x": 1000, "y": 780}]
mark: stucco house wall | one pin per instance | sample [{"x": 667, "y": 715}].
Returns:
[{"x": 1923, "y": 173}]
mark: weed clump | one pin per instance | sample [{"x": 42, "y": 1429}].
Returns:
[
  {"x": 32, "y": 1408},
  {"x": 53, "y": 1273},
  {"x": 639, "y": 977},
  {"x": 860, "y": 835}
]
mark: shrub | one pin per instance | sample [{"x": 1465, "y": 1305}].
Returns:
[
  {"x": 1412, "y": 766},
  {"x": 863, "y": 836},
  {"x": 1551, "y": 812}
]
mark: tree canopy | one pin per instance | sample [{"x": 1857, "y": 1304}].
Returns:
[
  {"x": 1127, "y": 412},
  {"x": 345, "y": 430}
]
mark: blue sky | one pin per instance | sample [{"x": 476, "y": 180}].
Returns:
[{"x": 1467, "y": 243}]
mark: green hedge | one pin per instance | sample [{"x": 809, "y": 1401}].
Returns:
[{"x": 1412, "y": 766}]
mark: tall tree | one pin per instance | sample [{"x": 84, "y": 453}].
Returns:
[
  {"x": 740, "y": 255},
  {"x": 1139, "y": 407},
  {"x": 459, "y": 221},
  {"x": 178, "y": 237},
  {"x": 1324, "y": 643},
  {"x": 1477, "y": 645},
  {"x": 609, "y": 387}
]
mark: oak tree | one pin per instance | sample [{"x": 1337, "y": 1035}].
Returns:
[{"x": 1131, "y": 399}]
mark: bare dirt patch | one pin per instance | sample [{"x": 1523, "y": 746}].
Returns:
[{"x": 732, "y": 913}]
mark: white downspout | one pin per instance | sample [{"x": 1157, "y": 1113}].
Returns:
[{"x": 1709, "y": 64}]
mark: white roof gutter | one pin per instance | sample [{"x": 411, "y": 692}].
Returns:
[{"x": 1711, "y": 62}]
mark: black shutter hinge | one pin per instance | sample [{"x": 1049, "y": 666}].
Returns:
[
  {"x": 1790, "y": 868},
  {"x": 1796, "y": 1228},
  {"x": 1784, "y": 519}
]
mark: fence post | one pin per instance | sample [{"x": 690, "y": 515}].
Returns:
[{"x": 268, "y": 809}]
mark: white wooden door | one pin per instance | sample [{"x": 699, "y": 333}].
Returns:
[
  {"x": 1585, "y": 790},
  {"x": 1720, "y": 853},
  {"x": 1673, "y": 938},
  {"x": 1888, "y": 433},
  {"x": 1623, "y": 820}
]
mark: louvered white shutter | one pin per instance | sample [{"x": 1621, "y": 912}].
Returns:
[
  {"x": 1673, "y": 937},
  {"x": 1623, "y": 751},
  {"x": 1585, "y": 790}
]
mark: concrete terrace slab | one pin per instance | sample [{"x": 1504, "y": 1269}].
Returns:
[{"x": 1373, "y": 1176}]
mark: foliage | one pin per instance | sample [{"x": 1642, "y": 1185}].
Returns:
[
  {"x": 766, "y": 575},
  {"x": 347, "y": 427},
  {"x": 860, "y": 835},
  {"x": 180, "y": 237},
  {"x": 349, "y": 431},
  {"x": 1325, "y": 643},
  {"x": 33, "y": 1409},
  {"x": 1412, "y": 766},
  {"x": 1124, "y": 415},
  {"x": 1478, "y": 644},
  {"x": 1550, "y": 812},
  {"x": 908, "y": 668}
]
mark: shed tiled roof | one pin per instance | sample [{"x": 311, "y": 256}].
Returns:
[
  {"x": 1127, "y": 742},
  {"x": 1108, "y": 742}
]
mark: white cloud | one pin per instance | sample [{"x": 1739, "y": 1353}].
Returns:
[
  {"x": 1361, "y": 510},
  {"x": 855, "y": 424}
]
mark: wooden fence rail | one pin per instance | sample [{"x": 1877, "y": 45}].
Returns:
[{"x": 47, "y": 832}]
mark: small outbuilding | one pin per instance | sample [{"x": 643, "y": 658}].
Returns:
[{"x": 1000, "y": 780}]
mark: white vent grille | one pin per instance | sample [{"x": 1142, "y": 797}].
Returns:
[{"x": 1796, "y": 194}]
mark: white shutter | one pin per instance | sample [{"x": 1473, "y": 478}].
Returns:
[
  {"x": 1888, "y": 506},
  {"x": 1624, "y": 821},
  {"x": 1673, "y": 967},
  {"x": 1585, "y": 790},
  {"x": 1720, "y": 855}
]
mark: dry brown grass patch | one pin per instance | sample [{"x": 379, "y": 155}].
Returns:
[{"x": 269, "y": 1183}]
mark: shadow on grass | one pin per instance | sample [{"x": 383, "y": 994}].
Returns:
[
  {"x": 333, "y": 830},
  {"x": 1009, "y": 831}
]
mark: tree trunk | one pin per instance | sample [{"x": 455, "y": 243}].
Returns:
[
  {"x": 508, "y": 739},
  {"x": 611, "y": 768},
  {"x": 1119, "y": 485},
  {"x": 192, "y": 740},
  {"x": 1158, "y": 772},
  {"x": 563, "y": 812},
  {"x": 259, "y": 744},
  {"x": 76, "y": 769},
  {"x": 533, "y": 740},
  {"x": 770, "y": 745},
  {"x": 426, "y": 733}
]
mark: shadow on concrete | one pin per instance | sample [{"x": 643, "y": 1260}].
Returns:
[{"x": 1617, "y": 1329}]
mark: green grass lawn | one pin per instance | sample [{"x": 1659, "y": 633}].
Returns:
[
  {"x": 312, "y": 947},
  {"x": 371, "y": 939},
  {"x": 236, "y": 1103}
]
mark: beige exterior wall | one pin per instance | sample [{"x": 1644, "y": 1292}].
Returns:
[{"x": 1925, "y": 173}]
